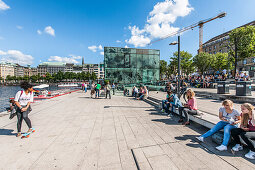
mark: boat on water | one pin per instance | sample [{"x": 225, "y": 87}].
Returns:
[
  {"x": 69, "y": 85},
  {"x": 42, "y": 86}
]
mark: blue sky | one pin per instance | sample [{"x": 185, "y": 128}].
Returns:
[{"x": 65, "y": 30}]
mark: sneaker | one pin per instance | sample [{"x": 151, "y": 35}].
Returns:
[
  {"x": 237, "y": 148},
  {"x": 222, "y": 148},
  {"x": 250, "y": 155},
  {"x": 200, "y": 138},
  {"x": 18, "y": 134},
  {"x": 163, "y": 110}
]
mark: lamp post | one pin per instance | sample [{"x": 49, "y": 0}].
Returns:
[{"x": 179, "y": 63}]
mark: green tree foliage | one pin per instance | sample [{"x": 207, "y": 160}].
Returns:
[
  {"x": 186, "y": 64},
  {"x": 221, "y": 61},
  {"x": 93, "y": 76},
  {"x": 163, "y": 67},
  {"x": 48, "y": 77},
  {"x": 245, "y": 41},
  {"x": 203, "y": 61}
]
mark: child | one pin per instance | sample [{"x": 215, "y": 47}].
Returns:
[{"x": 246, "y": 130}]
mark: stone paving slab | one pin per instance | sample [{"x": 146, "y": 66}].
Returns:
[{"x": 77, "y": 132}]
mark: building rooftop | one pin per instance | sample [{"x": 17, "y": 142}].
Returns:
[
  {"x": 52, "y": 64},
  {"x": 226, "y": 33}
]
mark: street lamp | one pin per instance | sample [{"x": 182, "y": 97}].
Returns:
[{"x": 179, "y": 75}]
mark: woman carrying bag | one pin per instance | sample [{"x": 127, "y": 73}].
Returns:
[{"x": 23, "y": 100}]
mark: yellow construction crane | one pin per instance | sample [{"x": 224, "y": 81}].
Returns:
[{"x": 200, "y": 24}]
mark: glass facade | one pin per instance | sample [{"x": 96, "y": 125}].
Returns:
[{"x": 130, "y": 65}]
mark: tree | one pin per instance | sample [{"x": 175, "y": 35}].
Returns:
[
  {"x": 59, "y": 76},
  {"x": 33, "y": 78},
  {"x": 186, "y": 64},
  {"x": 222, "y": 61},
  {"x": 93, "y": 76},
  {"x": 203, "y": 61},
  {"x": 48, "y": 77},
  {"x": 163, "y": 67},
  {"x": 243, "y": 41}
]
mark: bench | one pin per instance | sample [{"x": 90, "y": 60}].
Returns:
[{"x": 207, "y": 120}]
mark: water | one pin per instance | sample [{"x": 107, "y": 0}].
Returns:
[{"x": 9, "y": 91}]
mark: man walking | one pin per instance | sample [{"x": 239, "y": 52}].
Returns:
[
  {"x": 108, "y": 90},
  {"x": 98, "y": 87}
]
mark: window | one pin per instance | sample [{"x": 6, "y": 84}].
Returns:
[
  {"x": 210, "y": 49},
  {"x": 252, "y": 68},
  {"x": 253, "y": 60},
  {"x": 244, "y": 61},
  {"x": 215, "y": 47}
]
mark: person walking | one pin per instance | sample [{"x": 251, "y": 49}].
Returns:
[
  {"x": 85, "y": 87},
  {"x": 23, "y": 100},
  {"x": 113, "y": 89},
  {"x": 98, "y": 87},
  {"x": 108, "y": 90}
]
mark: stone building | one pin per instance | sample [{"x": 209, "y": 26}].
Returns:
[{"x": 219, "y": 44}]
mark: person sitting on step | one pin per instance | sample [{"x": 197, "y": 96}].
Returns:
[{"x": 229, "y": 119}]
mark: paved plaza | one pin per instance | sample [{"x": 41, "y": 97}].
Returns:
[{"x": 77, "y": 132}]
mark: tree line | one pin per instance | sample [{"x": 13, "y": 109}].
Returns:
[
  {"x": 54, "y": 78},
  {"x": 241, "y": 45}
]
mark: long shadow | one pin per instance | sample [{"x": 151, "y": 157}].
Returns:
[
  {"x": 166, "y": 121},
  {"x": 7, "y": 132},
  {"x": 125, "y": 107}
]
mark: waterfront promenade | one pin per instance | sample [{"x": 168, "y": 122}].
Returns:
[{"x": 77, "y": 132}]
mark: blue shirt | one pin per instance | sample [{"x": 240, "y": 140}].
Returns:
[{"x": 176, "y": 101}]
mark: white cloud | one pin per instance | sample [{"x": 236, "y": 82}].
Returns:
[
  {"x": 3, "y": 6},
  {"x": 100, "y": 47},
  {"x": 49, "y": 30},
  {"x": 69, "y": 59},
  {"x": 94, "y": 48},
  {"x": 101, "y": 53},
  {"x": 118, "y": 41},
  {"x": 39, "y": 32},
  {"x": 19, "y": 27},
  {"x": 159, "y": 22},
  {"x": 126, "y": 46},
  {"x": 15, "y": 56}
]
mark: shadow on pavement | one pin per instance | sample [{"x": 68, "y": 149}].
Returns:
[
  {"x": 7, "y": 132},
  {"x": 125, "y": 107}
]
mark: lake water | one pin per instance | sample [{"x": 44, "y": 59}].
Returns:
[{"x": 9, "y": 91}]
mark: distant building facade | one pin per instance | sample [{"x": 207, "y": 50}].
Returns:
[
  {"x": 50, "y": 67},
  {"x": 7, "y": 69},
  {"x": 219, "y": 43},
  {"x": 130, "y": 65}
]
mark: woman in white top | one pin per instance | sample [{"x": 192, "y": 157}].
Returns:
[{"x": 22, "y": 100}]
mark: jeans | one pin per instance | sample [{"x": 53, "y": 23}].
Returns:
[
  {"x": 85, "y": 89},
  {"x": 113, "y": 91},
  {"x": 21, "y": 116},
  {"x": 97, "y": 92},
  {"x": 221, "y": 125},
  {"x": 108, "y": 92},
  {"x": 246, "y": 136},
  {"x": 165, "y": 105}
]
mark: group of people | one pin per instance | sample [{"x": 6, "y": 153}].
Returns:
[
  {"x": 141, "y": 93},
  {"x": 96, "y": 89},
  {"x": 235, "y": 125},
  {"x": 172, "y": 102}
]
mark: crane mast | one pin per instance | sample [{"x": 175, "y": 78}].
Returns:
[{"x": 200, "y": 24}]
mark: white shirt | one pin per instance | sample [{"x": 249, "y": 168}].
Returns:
[
  {"x": 24, "y": 99},
  {"x": 85, "y": 85}
]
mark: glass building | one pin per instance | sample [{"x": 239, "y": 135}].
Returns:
[{"x": 130, "y": 65}]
